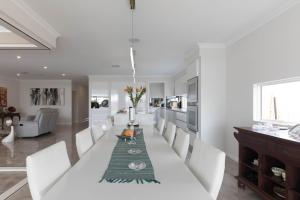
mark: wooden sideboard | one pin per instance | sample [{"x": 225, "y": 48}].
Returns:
[{"x": 272, "y": 149}]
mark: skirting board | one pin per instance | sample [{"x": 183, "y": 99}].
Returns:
[
  {"x": 12, "y": 169},
  {"x": 13, "y": 189},
  {"x": 232, "y": 157}
]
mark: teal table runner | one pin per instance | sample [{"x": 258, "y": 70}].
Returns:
[{"x": 118, "y": 170}]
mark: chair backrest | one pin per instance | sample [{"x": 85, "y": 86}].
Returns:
[
  {"x": 208, "y": 165},
  {"x": 37, "y": 116},
  {"x": 45, "y": 167},
  {"x": 161, "y": 126},
  {"x": 84, "y": 141},
  {"x": 53, "y": 120},
  {"x": 97, "y": 132},
  {"x": 181, "y": 143},
  {"x": 46, "y": 118},
  {"x": 170, "y": 133}
]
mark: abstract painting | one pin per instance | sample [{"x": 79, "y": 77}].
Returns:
[
  {"x": 3, "y": 97},
  {"x": 47, "y": 96}
]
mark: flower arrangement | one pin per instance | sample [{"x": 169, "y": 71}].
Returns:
[{"x": 135, "y": 94}]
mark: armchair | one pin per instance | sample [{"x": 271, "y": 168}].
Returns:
[{"x": 43, "y": 122}]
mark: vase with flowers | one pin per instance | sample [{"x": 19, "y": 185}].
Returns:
[{"x": 135, "y": 95}]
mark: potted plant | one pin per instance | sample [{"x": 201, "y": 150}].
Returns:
[{"x": 135, "y": 95}]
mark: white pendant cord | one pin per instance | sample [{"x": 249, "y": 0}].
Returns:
[{"x": 132, "y": 46}]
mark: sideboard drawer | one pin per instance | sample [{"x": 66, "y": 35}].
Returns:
[
  {"x": 284, "y": 151},
  {"x": 252, "y": 142}
]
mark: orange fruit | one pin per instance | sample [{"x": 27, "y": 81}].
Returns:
[{"x": 128, "y": 133}]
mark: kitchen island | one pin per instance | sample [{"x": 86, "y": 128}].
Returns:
[
  {"x": 141, "y": 118},
  {"x": 174, "y": 115}
]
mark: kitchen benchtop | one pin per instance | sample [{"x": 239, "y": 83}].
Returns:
[{"x": 177, "y": 110}]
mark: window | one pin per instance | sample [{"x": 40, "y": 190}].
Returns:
[{"x": 277, "y": 101}]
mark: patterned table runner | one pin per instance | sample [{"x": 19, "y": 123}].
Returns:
[{"x": 118, "y": 170}]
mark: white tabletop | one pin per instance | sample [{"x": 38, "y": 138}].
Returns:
[{"x": 81, "y": 182}]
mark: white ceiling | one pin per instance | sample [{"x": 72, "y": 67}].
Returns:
[{"x": 95, "y": 33}]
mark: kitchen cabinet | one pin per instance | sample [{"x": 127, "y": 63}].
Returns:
[
  {"x": 176, "y": 117},
  {"x": 193, "y": 70},
  {"x": 181, "y": 124},
  {"x": 180, "y": 86},
  {"x": 181, "y": 120},
  {"x": 162, "y": 113},
  {"x": 157, "y": 90},
  {"x": 99, "y": 116},
  {"x": 180, "y": 82},
  {"x": 181, "y": 116},
  {"x": 171, "y": 117}
]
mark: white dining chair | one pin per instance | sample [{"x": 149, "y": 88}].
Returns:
[
  {"x": 97, "y": 132},
  {"x": 208, "y": 164},
  {"x": 45, "y": 167},
  {"x": 84, "y": 141},
  {"x": 161, "y": 126},
  {"x": 181, "y": 143},
  {"x": 170, "y": 133}
]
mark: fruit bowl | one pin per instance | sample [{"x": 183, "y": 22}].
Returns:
[
  {"x": 134, "y": 151},
  {"x": 137, "y": 165},
  {"x": 127, "y": 134}
]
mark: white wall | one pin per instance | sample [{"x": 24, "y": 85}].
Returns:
[
  {"x": 13, "y": 90},
  {"x": 157, "y": 90},
  {"x": 65, "y": 112},
  {"x": 212, "y": 87},
  {"x": 270, "y": 53}
]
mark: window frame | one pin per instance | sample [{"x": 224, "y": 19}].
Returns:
[{"x": 257, "y": 101}]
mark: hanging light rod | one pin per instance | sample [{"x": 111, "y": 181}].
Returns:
[
  {"x": 132, "y": 58},
  {"x": 132, "y": 4},
  {"x": 132, "y": 7}
]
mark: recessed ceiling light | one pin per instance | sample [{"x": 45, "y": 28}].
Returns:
[
  {"x": 45, "y": 67},
  {"x": 22, "y": 73},
  {"x": 19, "y": 57},
  {"x": 63, "y": 74}
]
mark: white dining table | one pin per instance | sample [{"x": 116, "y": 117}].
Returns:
[{"x": 81, "y": 182}]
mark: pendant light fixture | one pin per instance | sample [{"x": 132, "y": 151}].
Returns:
[
  {"x": 132, "y": 52},
  {"x": 132, "y": 4}
]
